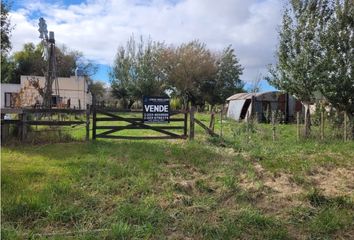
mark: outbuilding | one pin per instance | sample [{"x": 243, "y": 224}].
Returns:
[{"x": 260, "y": 105}]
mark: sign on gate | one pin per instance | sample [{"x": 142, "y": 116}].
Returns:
[{"x": 156, "y": 109}]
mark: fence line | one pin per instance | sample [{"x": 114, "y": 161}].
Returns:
[
  {"x": 323, "y": 126},
  {"x": 43, "y": 117}
]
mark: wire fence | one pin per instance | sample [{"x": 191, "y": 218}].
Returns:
[{"x": 323, "y": 126}]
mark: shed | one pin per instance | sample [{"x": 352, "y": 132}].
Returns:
[{"x": 259, "y": 105}]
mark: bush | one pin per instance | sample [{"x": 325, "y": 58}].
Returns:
[{"x": 175, "y": 103}]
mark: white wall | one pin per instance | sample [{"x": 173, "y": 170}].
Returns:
[
  {"x": 8, "y": 87},
  {"x": 73, "y": 88}
]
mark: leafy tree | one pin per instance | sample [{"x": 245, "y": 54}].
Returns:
[
  {"x": 26, "y": 62},
  {"x": 197, "y": 75},
  {"x": 190, "y": 72},
  {"x": 136, "y": 71},
  {"x": 189, "y": 68},
  {"x": 7, "y": 69},
  {"x": 97, "y": 88},
  {"x": 337, "y": 80},
  {"x": 227, "y": 80},
  {"x": 7, "y": 66},
  {"x": 124, "y": 74},
  {"x": 6, "y": 28},
  {"x": 67, "y": 61},
  {"x": 30, "y": 61},
  {"x": 299, "y": 53}
]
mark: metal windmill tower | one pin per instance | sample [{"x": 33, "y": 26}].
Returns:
[{"x": 49, "y": 56}]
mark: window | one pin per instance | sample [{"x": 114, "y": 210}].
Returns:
[
  {"x": 56, "y": 100},
  {"x": 8, "y": 100}
]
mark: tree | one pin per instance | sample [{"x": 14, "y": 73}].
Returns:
[
  {"x": 7, "y": 66},
  {"x": 188, "y": 68},
  {"x": 6, "y": 28},
  {"x": 7, "y": 69},
  {"x": 136, "y": 71},
  {"x": 256, "y": 84},
  {"x": 227, "y": 80},
  {"x": 26, "y": 62},
  {"x": 30, "y": 61},
  {"x": 190, "y": 72},
  {"x": 97, "y": 88},
  {"x": 197, "y": 75},
  {"x": 337, "y": 80},
  {"x": 67, "y": 61},
  {"x": 298, "y": 67}
]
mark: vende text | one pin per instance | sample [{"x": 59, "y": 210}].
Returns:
[{"x": 154, "y": 108}]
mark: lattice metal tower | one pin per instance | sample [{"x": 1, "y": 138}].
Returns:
[{"x": 51, "y": 71}]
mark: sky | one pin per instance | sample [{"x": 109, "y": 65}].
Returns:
[{"x": 98, "y": 27}]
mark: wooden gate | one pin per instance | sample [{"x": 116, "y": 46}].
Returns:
[{"x": 119, "y": 117}]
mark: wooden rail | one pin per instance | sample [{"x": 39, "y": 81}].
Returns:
[
  {"x": 107, "y": 115},
  {"x": 134, "y": 123},
  {"x": 22, "y": 122},
  {"x": 208, "y": 130},
  {"x": 194, "y": 121}
]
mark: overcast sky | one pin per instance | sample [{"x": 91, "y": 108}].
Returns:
[{"x": 98, "y": 27}]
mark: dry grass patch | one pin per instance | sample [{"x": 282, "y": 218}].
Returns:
[{"x": 335, "y": 181}]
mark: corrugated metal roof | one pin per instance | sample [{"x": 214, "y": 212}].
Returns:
[{"x": 243, "y": 96}]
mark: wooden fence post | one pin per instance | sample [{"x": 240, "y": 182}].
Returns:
[
  {"x": 350, "y": 128},
  {"x": 3, "y": 129},
  {"x": 247, "y": 126},
  {"x": 93, "y": 118},
  {"x": 185, "y": 127},
  {"x": 298, "y": 125},
  {"x": 345, "y": 127},
  {"x": 87, "y": 122},
  {"x": 273, "y": 125},
  {"x": 191, "y": 127},
  {"x": 322, "y": 123},
  {"x": 23, "y": 129},
  {"x": 212, "y": 121},
  {"x": 221, "y": 112}
]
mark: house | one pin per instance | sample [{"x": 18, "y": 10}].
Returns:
[
  {"x": 8, "y": 93},
  {"x": 260, "y": 105},
  {"x": 69, "y": 92}
]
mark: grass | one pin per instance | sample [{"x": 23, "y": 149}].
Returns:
[{"x": 252, "y": 188}]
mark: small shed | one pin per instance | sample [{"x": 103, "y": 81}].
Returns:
[{"x": 242, "y": 105}]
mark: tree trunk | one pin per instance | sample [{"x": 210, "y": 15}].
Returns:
[
  {"x": 307, "y": 125},
  {"x": 131, "y": 102},
  {"x": 124, "y": 103},
  {"x": 212, "y": 108},
  {"x": 185, "y": 102}
]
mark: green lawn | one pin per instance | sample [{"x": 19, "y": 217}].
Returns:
[{"x": 245, "y": 187}]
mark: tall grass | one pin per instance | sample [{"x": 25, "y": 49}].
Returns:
[{"x": 179, "y": 189}]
